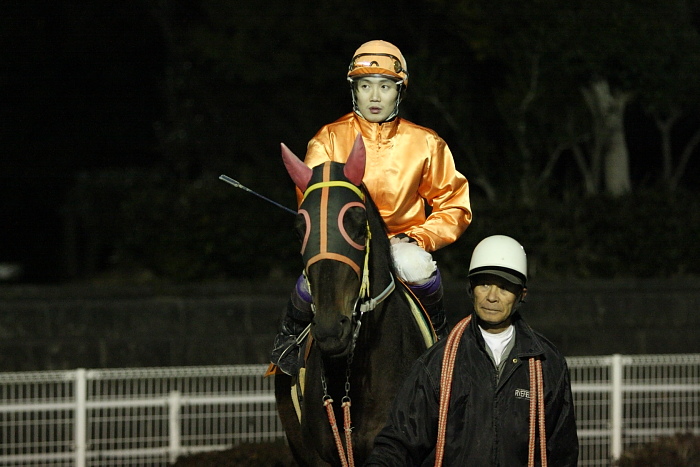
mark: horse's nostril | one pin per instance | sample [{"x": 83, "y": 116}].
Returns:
[{"x": 344, "y": 320}]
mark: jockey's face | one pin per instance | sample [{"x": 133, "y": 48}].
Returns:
[{"x": 376, "y": 97}]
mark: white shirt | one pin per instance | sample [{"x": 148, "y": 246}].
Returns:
[{"x": 498, "y": 342}]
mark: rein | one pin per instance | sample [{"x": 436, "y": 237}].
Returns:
[
  {"x": 346, "y": 460},
  {"x": 537, "y": 412}
]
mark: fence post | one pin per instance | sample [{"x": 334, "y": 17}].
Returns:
[
  {"x": 616, "y": 408},
  {"x": 80, "y": 435},
  {"x": 174, "y": 425}
]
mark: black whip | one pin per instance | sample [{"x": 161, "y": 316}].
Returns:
[{"x": 238, "y": 184}]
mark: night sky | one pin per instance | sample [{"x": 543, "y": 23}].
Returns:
[{"x": 80, "y": 91}]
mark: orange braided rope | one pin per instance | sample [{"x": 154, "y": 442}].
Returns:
[
  {"x": 448, "y": 364},
  {"x": 537, "y": 411},
  {"x": 533, "y": 415},
  {"x": 540, "y": 403},
  {"x": 328, "y": 404},
  {"x": 348, "y": 432}
]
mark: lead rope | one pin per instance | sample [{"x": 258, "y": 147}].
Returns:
[
  {"x": 543, "y": 428},
  {"x": 536, "y": 399},
  {"x": 448, "y": 364},
  {"x": 537, "y": 413},
  {"x": 349, "y": 459}
]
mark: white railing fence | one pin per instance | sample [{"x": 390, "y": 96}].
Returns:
[
  {"x": 132, "y": 417},
  {"x": 150, "y": 416},
  {"x": 622, "y": 401}
]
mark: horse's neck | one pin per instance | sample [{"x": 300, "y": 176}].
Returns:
[{"x": 381, "y": 272}]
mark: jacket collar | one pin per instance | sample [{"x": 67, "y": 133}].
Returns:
[
  {"x": 527, "y": 343},
  {"x": 376, "y": 131}
]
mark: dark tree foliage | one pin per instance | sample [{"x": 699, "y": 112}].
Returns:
[{"x": 121, "y": 117}]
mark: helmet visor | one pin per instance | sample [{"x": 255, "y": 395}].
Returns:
[
  {"x": 512, "y": 276},
  {"x": 378, "y": 64}
]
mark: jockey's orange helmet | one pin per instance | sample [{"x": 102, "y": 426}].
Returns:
[{"x": 379, "y": 58}]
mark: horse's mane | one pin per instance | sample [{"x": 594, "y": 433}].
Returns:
[
  {"x": 381, "y": 261},
  {"x": 377, "y": 225}
]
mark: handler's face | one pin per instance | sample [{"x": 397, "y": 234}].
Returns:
[{"x": 494, "y": 301}]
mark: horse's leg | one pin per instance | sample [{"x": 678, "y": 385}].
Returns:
[
  {"x": 391, "y": 352},
  {"x": 303, "y": 455},
  {"x": 288, "y": 417}
]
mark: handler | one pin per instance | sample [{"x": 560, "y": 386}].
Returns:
[
  {"x": 409, "y": 170},
  {"x": 490, "y": 407}
]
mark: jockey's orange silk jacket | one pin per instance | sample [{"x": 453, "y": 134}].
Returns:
[{"x": 407, "y": 166}]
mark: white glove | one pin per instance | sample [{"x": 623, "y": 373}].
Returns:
[{"x": 413, "y": 264}]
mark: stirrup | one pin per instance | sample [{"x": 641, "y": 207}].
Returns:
[{"x": 290, "y": 360}]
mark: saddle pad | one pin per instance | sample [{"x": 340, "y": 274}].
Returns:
[
  {"x": 298, "y": 392},
  {"x": 423, "y": 322}
]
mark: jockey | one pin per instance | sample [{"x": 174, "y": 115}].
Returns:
[{"x": 409, "y": 170}]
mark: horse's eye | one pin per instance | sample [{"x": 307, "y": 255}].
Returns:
[
  {"x": 355, "y": 223},
  {"x": 300, "y": 226}
]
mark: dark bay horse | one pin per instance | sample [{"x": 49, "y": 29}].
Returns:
[{"x": 364, "y": 335}]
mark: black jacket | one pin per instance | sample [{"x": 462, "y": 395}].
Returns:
[{"x": 488, "y": 421}]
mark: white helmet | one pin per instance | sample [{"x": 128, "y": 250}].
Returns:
[{"x": 501, "y": 256}]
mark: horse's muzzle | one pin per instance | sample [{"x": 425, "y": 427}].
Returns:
[{"x": 333, "y": 335}]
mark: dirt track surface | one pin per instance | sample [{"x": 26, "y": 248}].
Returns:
[{"x": 244, "y": 455}]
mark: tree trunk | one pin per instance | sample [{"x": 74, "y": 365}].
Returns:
[
  {"x": 608, "y": 112},
  {"x": 672, "y": 173},
  {"x": 665, "y": 124},
  {"x": 617, "y": 165}
]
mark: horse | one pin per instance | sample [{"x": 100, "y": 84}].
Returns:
[{"x": 364, "y": 337}]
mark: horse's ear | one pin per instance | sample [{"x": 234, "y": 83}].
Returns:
[
  {"x": 300, "y": 172},
  {"x": 355, "y": 166}
]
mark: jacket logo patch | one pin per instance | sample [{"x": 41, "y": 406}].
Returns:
[{"x": 522, "y": 394}]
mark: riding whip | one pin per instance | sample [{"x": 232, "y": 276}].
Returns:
[{"x": 237, "y": 184}]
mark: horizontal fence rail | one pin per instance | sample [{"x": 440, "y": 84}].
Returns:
[
  {"x": 132, "y": 417},
  {"x": 151, "y": 416}
]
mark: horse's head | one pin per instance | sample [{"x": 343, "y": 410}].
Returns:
[{"x": 332, "y": 225}]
